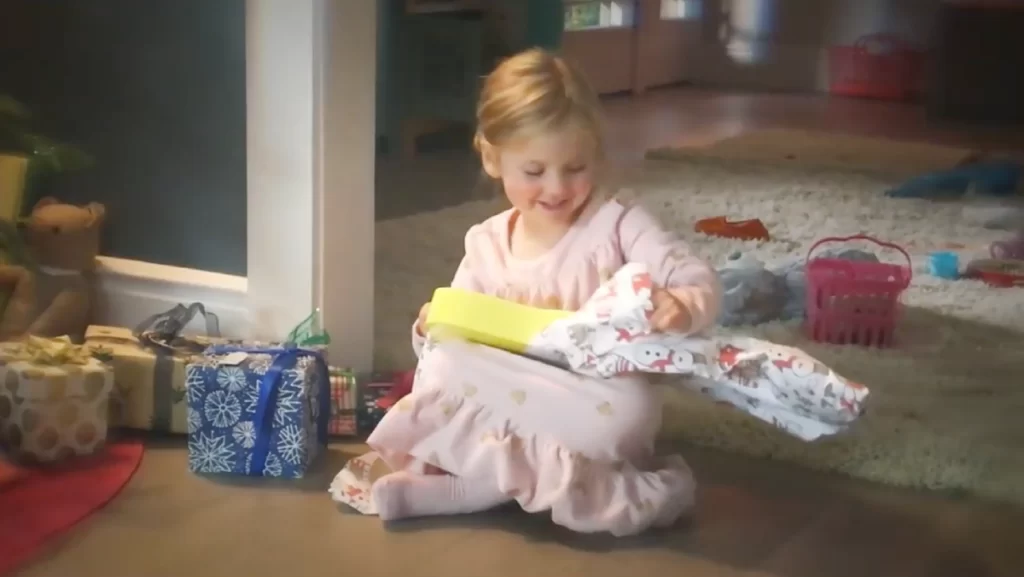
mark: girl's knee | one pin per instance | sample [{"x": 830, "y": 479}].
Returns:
[{"x": 634, "y": 419}]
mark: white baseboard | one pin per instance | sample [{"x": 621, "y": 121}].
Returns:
[{"x": 129, "y": 291}]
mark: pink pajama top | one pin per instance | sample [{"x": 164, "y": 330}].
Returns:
[{"x": 605, "y": 237}]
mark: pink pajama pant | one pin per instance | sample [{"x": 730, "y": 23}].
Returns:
[{"x": 549, "y": 439}]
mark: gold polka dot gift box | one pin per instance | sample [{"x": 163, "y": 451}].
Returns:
[{"x": 53, "y": 400}]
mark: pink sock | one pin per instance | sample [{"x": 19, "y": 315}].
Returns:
[{"x": 402, "y": 495}]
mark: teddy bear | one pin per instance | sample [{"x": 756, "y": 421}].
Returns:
[{"x": 56, "y": 298}]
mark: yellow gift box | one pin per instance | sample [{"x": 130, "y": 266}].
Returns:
[
  {"x": 149, "y": 386},
  {"x": 488, "y": 320},
  {"x": 53, "y": 400}
]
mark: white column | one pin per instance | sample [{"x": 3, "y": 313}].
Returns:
[
  {"x": 346, "y": 210},
  {"x": 311, "y": 69}
]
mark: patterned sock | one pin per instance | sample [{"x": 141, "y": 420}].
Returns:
[{"x": 402, "y": 495}]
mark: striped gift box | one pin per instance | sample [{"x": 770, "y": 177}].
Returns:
[{"x": 343, "y": 403}]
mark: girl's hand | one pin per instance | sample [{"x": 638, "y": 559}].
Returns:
[
  {"x": 421, "y": 320},
  {"x": 669, "y": 314}
]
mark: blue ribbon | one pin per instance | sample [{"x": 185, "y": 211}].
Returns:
[{"x": 284, "y": 358}]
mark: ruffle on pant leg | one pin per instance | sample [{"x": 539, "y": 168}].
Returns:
[{"x": 462, "y": 437}]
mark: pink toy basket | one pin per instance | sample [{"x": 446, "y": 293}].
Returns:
[
  {"x": 854, "y": 302},
  {"x": 877, "y": 66}
]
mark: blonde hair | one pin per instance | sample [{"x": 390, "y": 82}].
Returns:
[{"x": 533, "y": 92}]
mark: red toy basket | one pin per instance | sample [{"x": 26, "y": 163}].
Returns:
[
  {"x": 854, "y": 302},
  {"x": 878, "y": 66}
]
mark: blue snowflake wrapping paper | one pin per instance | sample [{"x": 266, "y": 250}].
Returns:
[{"x": 264, "y": 416}]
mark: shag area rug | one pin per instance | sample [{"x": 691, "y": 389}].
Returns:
[
  {"x": 824, "y": 150},
  {"x": 947, "y": 401}
]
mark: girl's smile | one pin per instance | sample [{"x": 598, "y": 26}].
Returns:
[{"x": 547, "y": 177}]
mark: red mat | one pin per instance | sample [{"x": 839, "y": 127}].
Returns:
[{"x": 37, "y": 505}]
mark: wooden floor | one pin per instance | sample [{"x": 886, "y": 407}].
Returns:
[
  {"x": 688, "y": 117},
  {"x": 680, "y": 117},
  {"x": 755, "y": 518}
]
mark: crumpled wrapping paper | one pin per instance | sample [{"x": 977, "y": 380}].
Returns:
[
  {"x": 753, "y": 293},
  {"x": 611, "y": 335}
]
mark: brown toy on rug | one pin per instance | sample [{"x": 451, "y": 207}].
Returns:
[{"x": 64, "y": 241}]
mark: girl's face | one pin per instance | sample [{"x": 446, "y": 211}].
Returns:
[{"x": 547, "y": 177}]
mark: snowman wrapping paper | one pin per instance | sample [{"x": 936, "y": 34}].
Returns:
[{"x": 784, "y": 386}]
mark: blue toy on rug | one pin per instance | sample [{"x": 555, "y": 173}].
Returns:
[{"x": 993, "y": 178}]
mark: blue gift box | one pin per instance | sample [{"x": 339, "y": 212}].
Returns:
[{"x": 258, "y": 411}]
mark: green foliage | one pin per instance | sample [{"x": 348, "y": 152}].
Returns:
[{"x": 45, "y": 154}]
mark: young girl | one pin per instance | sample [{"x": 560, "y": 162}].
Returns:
[{"x": 482, "y": 426}]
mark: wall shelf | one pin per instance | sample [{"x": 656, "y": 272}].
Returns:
[
  {"x": 599, "y": 27},
  {"x": 681, "y": 9},
  {"x": 440, "y": 6},
  {"x": 599, "y": 14},
  {"x": 630, "y": 45}
]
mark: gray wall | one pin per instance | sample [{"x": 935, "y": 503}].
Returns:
[
  {"x": 155, "y": 90},
  {"x": 389, "y": 13}
]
